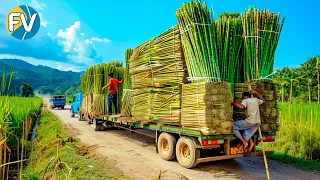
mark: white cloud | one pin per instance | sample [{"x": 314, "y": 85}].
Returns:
[
  {"x": 69, "y": 37},
  {"x": 103, "y": 40},
  {"x": 68, "y": 67},
  {"x": 43, "y": 21},
  {"x": 37, "y": 5},
  {"x": 81, "y": 50}
]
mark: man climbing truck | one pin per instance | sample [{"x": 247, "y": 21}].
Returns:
[
  {"x": 112, "y": 93},
  {"x": 251, "y": 124}
]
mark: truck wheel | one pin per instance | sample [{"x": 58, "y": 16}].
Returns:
[
  {"x": 167, "y": 146},
  {"x": 187, "y": 153},
  {"x": 71, "y": 113},
  {"x": 62, "y": 107},
  {"x": 96, "y": 126}
]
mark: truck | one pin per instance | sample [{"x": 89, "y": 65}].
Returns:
[
  {"x": 189, "y": 146},
  {"x": 57, "y": 101},
  {"x": 76, "y": 104}
]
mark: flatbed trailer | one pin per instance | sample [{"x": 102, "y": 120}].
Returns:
[{"x": 188, "y": 146}]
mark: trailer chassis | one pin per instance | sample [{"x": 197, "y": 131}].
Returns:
[{"x": 182, "y": 144}]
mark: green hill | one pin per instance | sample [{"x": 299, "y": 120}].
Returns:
[{"x": 41, "y": 78}]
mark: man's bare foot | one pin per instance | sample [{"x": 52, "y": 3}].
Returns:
[
  {"x": 251, "y": 146},
  {"x": 245, "y": 145}
]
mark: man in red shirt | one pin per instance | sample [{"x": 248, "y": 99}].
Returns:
[{"x": 112, "y": 93}]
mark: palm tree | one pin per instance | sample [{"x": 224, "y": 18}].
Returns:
[
  {"x": 282, "y": 80},
  {"x": 292, "y": 79},
  {"x": 307, "y": 70}
]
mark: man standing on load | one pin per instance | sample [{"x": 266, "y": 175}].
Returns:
[
  {"x": 251, "y": 124},
  {"x": 112, "y": 93}
]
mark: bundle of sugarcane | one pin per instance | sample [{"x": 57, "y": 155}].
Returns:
[
  {"x": 198, "y": 38},
  {"x": 158, "y": 62},
  {"x": 126, "y": 102},
  {"x": 141, "y": 105},
  {"x": 127, "y": 84},
  {"x": 261, "y": 29},
  {"x": 206, "y": 106},
  {"x": 229, "y": 46},
  {"x": 99, "y": 106},
  {"x": 165, "y": 105},
  {"x": 86, "y": 105},
  {"x": 84, "y": 84},
  {"x": 268, "y": 110},
  {"x": 94, "y": 79}
]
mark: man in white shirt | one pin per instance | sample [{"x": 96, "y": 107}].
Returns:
[{"x": 251, "y": 124}]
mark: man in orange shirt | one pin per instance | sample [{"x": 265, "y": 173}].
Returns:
[{"x": 112, "y": 93}]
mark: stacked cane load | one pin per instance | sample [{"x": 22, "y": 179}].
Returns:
[
  {"x": 165, "y": 105},
  {"x": 158, "y": 62},
  {"x": 127, "y": 101},
  {"x": 157, "y": 68},
  {"x": 94, "y": 101},
  {"x": 268, "y": 110},
  {"x": 206, "y": 107}
]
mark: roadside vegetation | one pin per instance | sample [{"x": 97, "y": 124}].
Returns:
[
  {"x": 58, "y": 155},
  {"x": 298, "y": 138}
]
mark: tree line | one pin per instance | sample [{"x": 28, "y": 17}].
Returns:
[{"x": 301, "y": 84}]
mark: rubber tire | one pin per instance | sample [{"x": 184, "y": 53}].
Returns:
[
  {"x": 171, "y": 153},
  {"x": 71, "y": 113},
  {"x": 96, "y": 126},
  {"x": 62, "y": 107},
  {"x": 194, "y": 152}
]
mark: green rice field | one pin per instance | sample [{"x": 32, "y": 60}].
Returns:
[{"x": 299, "y": 134}]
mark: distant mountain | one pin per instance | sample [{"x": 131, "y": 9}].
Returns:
[{"x": 41, "y": 78}]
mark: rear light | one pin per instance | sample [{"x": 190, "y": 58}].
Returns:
[
  {"x": 214, "y": 142},
  {"x": 268, "y": 138},
  {"x": 204, "y": 142}
]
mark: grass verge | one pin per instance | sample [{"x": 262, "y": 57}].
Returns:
[
  {"x": 76, "y": 160},
  {"x": 298, "y": 162}
]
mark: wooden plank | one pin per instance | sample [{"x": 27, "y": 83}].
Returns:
[
  {"x": 128, "y": 119},
  {"x": 217, "y": 158},
  {"x": 213, "y": 146}
]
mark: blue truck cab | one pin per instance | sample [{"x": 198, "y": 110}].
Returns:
[
  {"x": 75, "y": 104},
  {"x": 57, "y": 101}
]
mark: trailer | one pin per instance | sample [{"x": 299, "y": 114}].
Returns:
[{"x": 190, "y": 147}]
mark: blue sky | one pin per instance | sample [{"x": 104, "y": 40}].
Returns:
[{"x": 77, "y": 34}]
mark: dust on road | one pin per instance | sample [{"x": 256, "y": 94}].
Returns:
[{"x": 135, "y": 155}]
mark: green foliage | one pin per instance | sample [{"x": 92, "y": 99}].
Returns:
[
  {"x": 13, "y": 113},
  {"x": 83, "y": 166},
  {"x": 26, "y": 90},
  {"x": 229, "y": 15},
  {"x": 298, "y": 134},
  {"x": 303, "y": 79},
  {"x": 44, "y": 79}
]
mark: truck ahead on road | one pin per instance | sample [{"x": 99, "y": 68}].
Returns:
[
  {"x": 76, "y": 104},
  {"x": 57, "y": 101}
]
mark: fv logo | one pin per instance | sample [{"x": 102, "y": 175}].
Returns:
[{"x": 23, "y": 22}]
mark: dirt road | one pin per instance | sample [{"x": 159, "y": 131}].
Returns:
[{"x": 135, "y": 155}]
